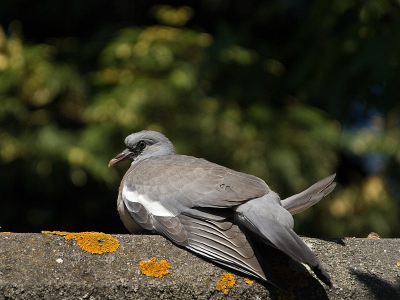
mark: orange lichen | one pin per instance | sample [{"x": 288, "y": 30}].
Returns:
[
  {"x": 62, "y": 233},
  {"x": 249, "y": 281},
  {"x": 92, "y": 242},
  {"x": 226, "y": 282},
  {"x": 153, "y": 268}
]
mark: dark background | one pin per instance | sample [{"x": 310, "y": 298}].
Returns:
[{"x": 290, "y": 91}]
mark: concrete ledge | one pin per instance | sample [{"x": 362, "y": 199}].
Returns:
[{"x": 42, "y": 266}]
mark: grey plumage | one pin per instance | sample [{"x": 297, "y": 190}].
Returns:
[
  {"x": 299, "y": 202},
  {"x": 209, "y": 209}
]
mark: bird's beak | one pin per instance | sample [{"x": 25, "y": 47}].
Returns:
[{"x": 124, "y": 155}]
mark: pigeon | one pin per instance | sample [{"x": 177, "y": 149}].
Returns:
[{"x": 218, "y": 213}]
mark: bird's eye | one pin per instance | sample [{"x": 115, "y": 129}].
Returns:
[{"x": 141, "y": 145}]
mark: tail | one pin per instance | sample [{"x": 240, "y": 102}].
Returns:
[{"x": 299, "y": 202}]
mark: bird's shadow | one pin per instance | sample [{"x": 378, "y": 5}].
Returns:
[
  {"x": 339, "y": 241},
  {"x": 380, "y": 288},
  {"x": 297, "y": 279}
]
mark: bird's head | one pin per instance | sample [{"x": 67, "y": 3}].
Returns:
[{"x": 142, "y": 145}]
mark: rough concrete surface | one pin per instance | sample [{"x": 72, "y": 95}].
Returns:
[{"x": 42, "y": 266}]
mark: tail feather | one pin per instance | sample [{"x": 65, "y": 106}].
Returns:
[{"x": 299, "y": 202}]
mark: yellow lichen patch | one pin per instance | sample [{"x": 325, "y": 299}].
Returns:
[
  {"x": 56, "y": 232},
  {"x": 226, "y": 282},
  {"x": 92, "y": 242},
  {"x": 153, "y": 268},
  {"x": 398, "y": 264},
  {"x": 249, "y": 281}
]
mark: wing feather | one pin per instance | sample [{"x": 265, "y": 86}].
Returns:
[
  {"x": 139, "y": 214},
  {"x": 172, "y": 228},
  {"x": 228, "y": 247}
]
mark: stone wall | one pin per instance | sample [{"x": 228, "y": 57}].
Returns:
[{"x": 47, "y": 266}]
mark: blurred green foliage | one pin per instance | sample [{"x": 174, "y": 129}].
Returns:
[{"x": 267, "y": 89}]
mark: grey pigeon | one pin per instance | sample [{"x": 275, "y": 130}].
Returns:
[{"x": 218, "y": 213}]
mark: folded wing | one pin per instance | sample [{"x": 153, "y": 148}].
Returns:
[
  {"x": 273, "y": 224},
  {"x": 180, "y": 182},
  {"x": 211, "y": 234}
]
